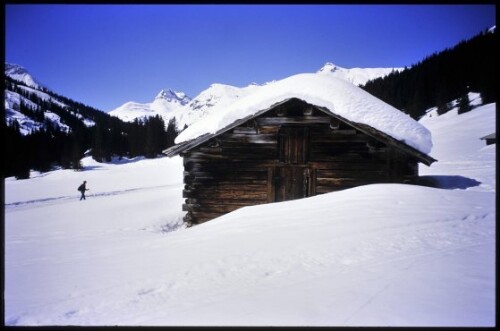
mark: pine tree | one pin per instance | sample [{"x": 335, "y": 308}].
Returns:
[
  {"x": 442, "y": 108},
  {"x": 464, "y": 104},
  {"x": 171, "y": 133},
  {"x": 98, "y": 152},
  {"x": 441, "y": 76}
]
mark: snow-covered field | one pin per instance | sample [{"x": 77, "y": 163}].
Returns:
[{"x": 377, "y": 255}]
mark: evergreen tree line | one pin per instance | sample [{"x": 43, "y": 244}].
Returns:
[
  {"x": 441, "y": 77},
  {"x": 50, "y": 146}
]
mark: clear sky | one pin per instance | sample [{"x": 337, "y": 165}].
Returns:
[{"x": 106, "y": 55}]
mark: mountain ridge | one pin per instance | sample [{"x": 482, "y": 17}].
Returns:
[
  {"x": 223, "y": 94},
  {"x": 357, "y": 76},
  {"x": 18, "y": 72}
]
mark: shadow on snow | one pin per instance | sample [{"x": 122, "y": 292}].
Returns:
[{"x": 448, "y": 182}]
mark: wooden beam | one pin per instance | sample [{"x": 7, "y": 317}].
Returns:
[{"x": 292, "y": 120}]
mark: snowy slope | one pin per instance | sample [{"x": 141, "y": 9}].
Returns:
[
  {"x": 356, "y": 76},
  {"x": 166, "y": 104},
  {"x": 12, "y": 102},
  {"x": 472, "y": 159},
  {"x": 376, "y": 255},
  {"x": 28, "y": 125},
  {"x": 14, "y": 99},
  {"x": 19, "y": 73},
  {"x": 185, "y": 110},
  {"x": 219, "y": 95}
]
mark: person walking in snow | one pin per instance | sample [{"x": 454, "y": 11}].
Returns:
[{"x": 82, "y": 188}]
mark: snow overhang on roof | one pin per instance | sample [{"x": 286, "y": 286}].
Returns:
[{"x": 332, "y": 95}]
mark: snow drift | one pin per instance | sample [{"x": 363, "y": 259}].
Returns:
[{"x": 376, "y": 255}]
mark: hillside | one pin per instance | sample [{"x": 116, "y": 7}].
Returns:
[
  {"x": 19, "y": 73},
  {"x": 443, "y": 76},
  {"x": 33, "y": 107},
  {"x": 375, "y": 255},
  {"x": 46, "y": 130}
]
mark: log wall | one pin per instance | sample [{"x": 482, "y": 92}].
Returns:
[{"x": 257, "y": 162}]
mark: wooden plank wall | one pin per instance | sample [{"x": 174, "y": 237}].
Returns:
[
  {"x": 237, "y": 168},
  {"x": 228, "y": 172}
]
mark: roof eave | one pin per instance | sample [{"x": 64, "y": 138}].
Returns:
[
  {"x": 185, "y": 145},
  {"x": 377, "y": 134}
]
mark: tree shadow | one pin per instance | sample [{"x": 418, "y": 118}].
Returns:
[
  {"x": 91, "y": 167},
  {"x": 447, "y": 182},
  {"x": 115, "y": 160}
]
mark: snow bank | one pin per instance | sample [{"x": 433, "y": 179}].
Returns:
[
  {"x": 338, "y": 96},
  {"x": 459, "y": 148},
  {"x": 375, "y": 255}
]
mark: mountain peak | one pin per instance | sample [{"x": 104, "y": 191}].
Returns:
[
  {"x": 19, "y": 73},
  {"x": 171, "y": 95},
  {"x": 329, "y": 67},
  {"x": 357, "y": 76}
]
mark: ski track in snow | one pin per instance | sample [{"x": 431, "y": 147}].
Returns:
[
  {"x": 410, "y": 261},
  {"x": 69, "y": 198}
]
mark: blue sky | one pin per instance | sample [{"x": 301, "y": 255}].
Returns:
[{"x": 106, "y": 55}]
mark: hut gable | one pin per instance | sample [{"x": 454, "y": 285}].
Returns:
[
  {"x": 333, "y": 95},
  {"x": 287, "y": 150}
]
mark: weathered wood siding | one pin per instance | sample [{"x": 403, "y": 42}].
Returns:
[{"x": 290, "y": 152}]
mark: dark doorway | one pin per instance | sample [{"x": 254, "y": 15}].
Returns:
[
  {"x": 292, "y": 176},
  {"x": 293, "y": 144},
  {"x": 291, "y": 182}
]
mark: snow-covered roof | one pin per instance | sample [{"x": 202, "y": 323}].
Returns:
[
  {"x": 333, "y": 94},
  {"x": 490, "y": 136}
]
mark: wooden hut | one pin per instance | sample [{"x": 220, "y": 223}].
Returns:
[
  {"x": 289, "y": 150},
  {"x": 490, "y": 139}
]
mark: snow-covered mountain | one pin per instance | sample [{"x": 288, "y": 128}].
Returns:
[
  {"x": 187, "y": 113},
  {"x": 167, "y": 103},
  {"x": 173, "y": 96},
  {"x": 32, "y": 106},
  {"x": 19, "y": 73},
  {"x": 215, "y": 95},
  {"x": 357, "y": 76}
]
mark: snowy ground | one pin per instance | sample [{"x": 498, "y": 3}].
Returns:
[{"x": 378, "y": 255}]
